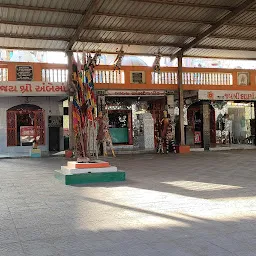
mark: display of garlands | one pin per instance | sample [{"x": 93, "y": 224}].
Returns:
[
  {"x": 92, "y": 62},
  {"x": 156, "y": 64},
  {"x": 118, "y": 60},
  {"x": 95, "y": 61},
  {"x": 219, "y": 104}
]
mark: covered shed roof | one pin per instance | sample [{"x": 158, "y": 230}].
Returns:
[{"x": 207, "y": 28}]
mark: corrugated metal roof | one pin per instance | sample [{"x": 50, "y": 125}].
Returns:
[
  {"x": 24, "y": 31},
  {"x": 32, "y": 16},
  {"x": 142, "y": 26},
  {"x": 134, "y": 24},
  {"x": 162, "y": 10},
  {"x": 222, "y": 54},
  {"x": 136, "y": 49},
  {"x": 237, "y": 32},
  {"x": 32, "y": 44},
  {"x": 80, "y": 5},
  {"x": 227, "y": 43}
]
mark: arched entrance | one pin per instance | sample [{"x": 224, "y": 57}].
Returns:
[
  {"x": 194, "y": 130},
  {"x": 25, "y": 123}
]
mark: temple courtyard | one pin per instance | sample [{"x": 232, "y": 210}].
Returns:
[{"x": 199, "y": 204}]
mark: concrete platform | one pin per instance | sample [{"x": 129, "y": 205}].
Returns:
[
  {"x": 66, "y": 170},
  {"x": 86, "y": 178},
  {"x": 96, "y": 171}
]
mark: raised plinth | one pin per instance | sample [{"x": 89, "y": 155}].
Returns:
[
  {"x": 35, "y": 152},
  {"x": 183, "y": 149},
  {"x": 85, "y": 173},
  {"x": 94, "y": 164}
]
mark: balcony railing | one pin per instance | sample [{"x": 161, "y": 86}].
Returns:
[
  {"x": 109, "y": 77},
  {"x": 55, "y": 75},
  {"x": 3, "y": 74},
  {"x": 106, "y": 78},
  {"x": 193, "y": 78}
]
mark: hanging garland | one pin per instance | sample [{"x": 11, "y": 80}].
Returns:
[
  {"x": 118, "y": 60},
  {"x": 156, "y": 64}
]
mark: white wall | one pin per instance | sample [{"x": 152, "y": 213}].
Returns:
[{"x": 52, "y": 107}]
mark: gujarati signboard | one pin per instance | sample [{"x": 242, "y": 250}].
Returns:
[{"x": 24, "y": 73}]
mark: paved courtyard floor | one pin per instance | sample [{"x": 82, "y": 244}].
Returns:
[{"x": 201, "y": 204}]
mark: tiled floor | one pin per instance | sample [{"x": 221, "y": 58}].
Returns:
[{"x": 201, "y": 204}]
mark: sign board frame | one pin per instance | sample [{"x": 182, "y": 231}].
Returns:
[{"x": 27, "y": 75}]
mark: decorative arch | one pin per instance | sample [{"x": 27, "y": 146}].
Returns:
[
  {"x": 25, "y": 107},
  {"x": 36, "y": 116}
]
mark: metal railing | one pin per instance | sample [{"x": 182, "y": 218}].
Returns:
[
  {"x": 109, "y": 76},
  {"x": 55, "y": 75},
  {"x": 3, "y": 74},
  {"x": 193, "y": 78}
]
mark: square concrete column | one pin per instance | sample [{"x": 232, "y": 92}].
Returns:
[
  {"x": 205, "y": 110},
  {"x": 181, "y": 101}
]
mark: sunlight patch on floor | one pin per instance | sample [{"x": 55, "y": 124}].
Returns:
[{"x": 200, "y": 186}]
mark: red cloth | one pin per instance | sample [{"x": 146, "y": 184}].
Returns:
[{"x": 164, "y": 127}]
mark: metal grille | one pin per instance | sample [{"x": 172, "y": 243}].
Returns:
[
  {"x": 11, "y": 128},
  {"x": 40, "y": 126}
]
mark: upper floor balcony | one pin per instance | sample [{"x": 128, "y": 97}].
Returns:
[{"x": 132, "y": 78}]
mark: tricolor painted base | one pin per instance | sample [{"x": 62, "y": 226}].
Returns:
[
  {"x": 35, "y": 153},
  {"x": 87, "y": 178},
  {"x": 85, "y": 173}
]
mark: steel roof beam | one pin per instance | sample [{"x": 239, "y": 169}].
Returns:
[
  {"x": 242, "y": 38},
  {"x": 109, "y": 41},
  {"x": 214, "y": 57},
  {"x": 32, "y": 49},
  {"x": 143, "y": 32},
  {"x": 51, "y": 25},
  {"x": 18, "y": 23},
  {"x": 171, "y": 45},
  {"x": 225, "y": 48},
  {"x": 200, "y": 22},
  {"x": 206, "y": 6},
  {"x": 165, "y": 55},
  {"x": 122, "y": 42},
  {"x": 36, "y": 37},
  {"x": 91, "y": 8},
  {"x": 38, "y": 8},
  {"x": 238, "y": 10},
  {"x": 131, "y": 16},
  {"x": 107, "y": 52},
  {"x": 164, "y": 33}
]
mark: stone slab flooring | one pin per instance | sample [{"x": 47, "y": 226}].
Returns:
[{"x": 201, "y": 204}]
